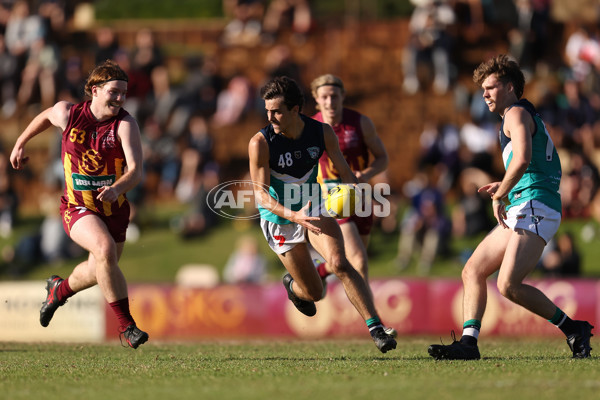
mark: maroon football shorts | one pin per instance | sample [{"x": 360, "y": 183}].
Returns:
[{"x": 117, "y": 223}]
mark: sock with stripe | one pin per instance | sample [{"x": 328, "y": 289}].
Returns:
[
  {"x": 374, "y": 324},
  {"x": 563, "y": 322},
  {"x": 470, "y": 332}
]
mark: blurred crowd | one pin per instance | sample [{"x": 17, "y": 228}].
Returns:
[{"x": 42, "y": 61}]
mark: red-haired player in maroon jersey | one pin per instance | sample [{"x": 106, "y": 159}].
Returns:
[{"x": 102, "y": 160}]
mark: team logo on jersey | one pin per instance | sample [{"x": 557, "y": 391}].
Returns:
[
  {"x": 297, "y": 154},
  {"x": 313, "y": 152},
  {"x": 108, "y": 141},
  {"x": 521, "y": 216},
  {"x": 536, "y": 219},
  {"x": 350, "y": 136},
  {"x": 90, "y": 161}
]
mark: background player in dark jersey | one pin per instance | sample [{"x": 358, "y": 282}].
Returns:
[
  {"x": 285, "y": 154},
  {"x": 357, "y": 139},
  {"x": 102, "y": 159}
]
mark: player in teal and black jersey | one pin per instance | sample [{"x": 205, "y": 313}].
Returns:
[{"x": 284, "y": 158}]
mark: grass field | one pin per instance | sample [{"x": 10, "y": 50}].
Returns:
[{"x": 340, "y": 369}]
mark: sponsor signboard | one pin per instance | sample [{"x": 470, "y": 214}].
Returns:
[
  {"x": 80, "y": 320},
  {"x": 413, "y": 306}
]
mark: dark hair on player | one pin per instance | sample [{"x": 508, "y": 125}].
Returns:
[{"x": 285, "y": 87}]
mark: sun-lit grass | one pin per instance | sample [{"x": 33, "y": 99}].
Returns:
[{"x": 263, "y": 369}]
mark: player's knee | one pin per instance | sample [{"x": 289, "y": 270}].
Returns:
[
  {"x": 105, "y": 252},
  {"x": 468, "y": 273},
  {"x": 312, "y": 292},
  {"x": 507, "y": 289},
  {"x": 340, "y": 266}
]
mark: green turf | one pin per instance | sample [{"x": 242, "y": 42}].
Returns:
[{"x": 335, "y": 369}]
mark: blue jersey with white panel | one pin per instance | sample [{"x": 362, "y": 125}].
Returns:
[
  {"x": 541, "y": 180},
  {"x": 294, "y": 165}
]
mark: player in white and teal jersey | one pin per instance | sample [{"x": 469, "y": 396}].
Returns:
[
  {"x": 285, "y": 155},
  {"x": 527, "y": 206},
  {"x": 541, "y": 179}
]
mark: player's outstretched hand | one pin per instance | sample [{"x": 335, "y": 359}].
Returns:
[{"x": 303, "y": 218}]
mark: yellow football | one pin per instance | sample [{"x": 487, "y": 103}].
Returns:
[{"x": 342, "y": 201}]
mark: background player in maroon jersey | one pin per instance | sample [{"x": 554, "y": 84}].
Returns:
[
  {"x": 102, "y": 159},
  {"x": 358, "y": 139}
]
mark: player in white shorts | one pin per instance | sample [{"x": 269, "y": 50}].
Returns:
[
  {"x": 284, "y": 156},
  {"x": 527, "y": 206}
]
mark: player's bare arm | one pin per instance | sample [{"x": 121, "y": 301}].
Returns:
[
  {"x": 377, "y": 149},
  {"x": 335, "y": 155},
  {"x": 58, "y": 115},
  {"x": 258, "y": 152},
  {"x": 129, "y": 135}
]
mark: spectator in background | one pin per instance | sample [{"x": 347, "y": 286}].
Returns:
[
  {"x": 425, "y": 226},
  {"x": 22, "y": 31},
  {"x": 470, "y": 216},
  {"x": 139, "y": 85},
  {"x": 146, "y": 54},
  {"x": 429, "y": 41},
  {"x": 246, "y": 22},
  {"x": 582, "y": 51},
  {"x": 294, "y": 14},
  {"x": 574, "y": 118},
  {"x": 8, "y": 199},
  {"x": 578, "y": 185},
  {"x": 233, "y": 102},
  {"x": 37, "y": 59},
  {"x": 280, "y": 62},
  {"x": 529, "y": 36},
  {"x": 163, "y": 99},
  {"x": 71, "y": 80},
  {"x": 8, "y": 79},
  {"x": 440, "y": 145},
  {"x": 161, "y": 161},
  {"x": 40, "y": 73},
  {"x": 195, "y": 157},
  {"x": 199, "y": 218},
  {"x": 106, "y": 45},
  {"x": 561, "y": 258},
  {"x": 200, "y": 87},
  {"x": 478, "y": 141},
  {"x": 246, "y": 264}
]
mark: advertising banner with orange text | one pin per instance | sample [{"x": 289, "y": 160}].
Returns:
[{"x": 411, "y": 306}]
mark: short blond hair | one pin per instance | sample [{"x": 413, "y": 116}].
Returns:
[{"x": 326, "y": 80}]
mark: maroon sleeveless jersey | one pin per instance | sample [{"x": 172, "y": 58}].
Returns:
[
  {"x": 352, "y": 145},
  {"x": 92, "y": 157}
]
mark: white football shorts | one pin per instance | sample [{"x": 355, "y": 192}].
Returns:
[
  {"x": 282, "y": 237},
  {"x": 535, "y": 217}
]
